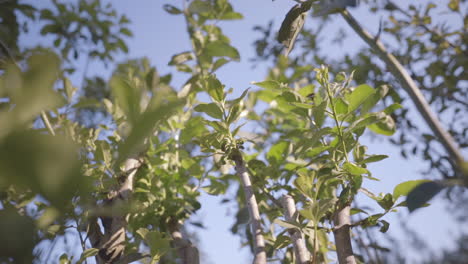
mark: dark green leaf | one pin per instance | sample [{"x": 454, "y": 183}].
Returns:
[
  {"x": 172, "y": 9},
  {"x": 385, "y": 226},
  {"x": 422, "y": 193},
  {"x": 404, "y": 188}
]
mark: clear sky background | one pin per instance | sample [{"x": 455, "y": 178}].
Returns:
[{"x": 158, "y": 35}]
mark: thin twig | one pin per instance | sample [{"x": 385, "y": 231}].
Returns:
[{"x": 412, "y": 89}]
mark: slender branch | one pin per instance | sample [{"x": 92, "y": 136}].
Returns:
[
  {"x": 187, "y": 252},
  {"x": 300, "y": 250},
  {"x": 255, "y": 221},
  {"x": 412, "y": 89},
  {"x": 47, "y": 124},
  {"x": 342, "y": 235}
]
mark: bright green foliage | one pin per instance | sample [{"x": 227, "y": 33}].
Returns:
[{"x": 308, "y": 145}]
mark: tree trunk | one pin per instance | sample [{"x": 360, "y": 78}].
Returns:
[
  {"x": 111, "y": 243},
  {"x": 342, "y": 235},
  {"x": 300, "y": 250}
]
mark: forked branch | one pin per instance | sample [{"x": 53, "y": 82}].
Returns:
[{"x": 412, "y": 89}]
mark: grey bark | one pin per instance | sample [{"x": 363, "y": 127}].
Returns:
[
  {"x": 342, "y": 235},
  {"x": 111, "y": 243},
  {"x": 255, "y": 221},
  {"x": 186, "y": 251},
  {"x": 300, "y": 250},
  {"x": 413, "y": 91}
]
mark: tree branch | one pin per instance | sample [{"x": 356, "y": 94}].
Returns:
[
  {"x": 342, "y": 235},
  {"x": 400, "y": 73},
  {"x": 300, "y": 250},
  {"x": 259, "y": 242},
  {"x": 187, "y": 252},
  {"x": 111, "y": 244}
]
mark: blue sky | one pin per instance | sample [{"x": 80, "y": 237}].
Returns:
[{"x": 158, "y": 35}]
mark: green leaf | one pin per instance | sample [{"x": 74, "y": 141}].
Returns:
[
  {"x": 237, "y": 100},
  {"x": 319, "y": 113},
  {"x": 181, "y": 58},
  {"x": 231, "y": 16},
  {"x": 64, "y": 259},
  {"x": 234, "y": 113},
  {"x": 90, "y": 252},
  {"x": 359, "y": 96},
  {"x": 384, "y": 227},
  {"x": 218, "y": 64},
  {"x": 373, "y": 158},
  {"x": 277, "y": 152},
  {"x": 354, "y": 169},
  {"x": 157, "y": 243},
  {"x": 215, "y": 88},
  {"x": 69, "y": 88},
  {"x": 282, "y": 242},
  {"x": 126, "y": 32},
  {"x": 390, "y": 109},
  {"x": 384, "y": 127},
  {"x": 221, "y": 49},
  {"x": 199, "y": 6},
  {"x": 373, "y": 99},
  {"x": 144, "y": 126},
  {"x": 172, "y": 9},
  {"x": 211, "y": 109},
  {"x": 386, "y": 202},
  {"x": 53, "y": 166},
  {"x": 422, "y": 194},
  {"x": 404, "y": 188},
  {"x": 193, "y": 128},
  {"x": 271, "y": 84},
  {"x": 341, "y": 107},
  {"x": 126, "y": 96}
]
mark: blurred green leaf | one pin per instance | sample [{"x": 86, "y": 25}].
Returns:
[
  {"x": 211, "y": 109},
  {"x": 270, "y": 84},
  {"x": 172, "y": 9},
  {"x": 144, "y": 126},
  {"x": 181, "y": 58},
  {"x": 221, "y": 49},
  {"x": 277, "y": 152},
  {"x": 199, "y": 6},
  {"x": 48, "y": 165},
  {"x": 215, "y": 88},
  {"x": 404, "y": 188},
  {"x": 126, "y": 96},
  {"x": 423, "y": 193}
]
